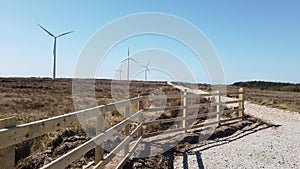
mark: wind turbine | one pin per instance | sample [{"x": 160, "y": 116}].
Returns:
[
  {"x": 146, "y": 70},
  {"x": 54, "y": 49},
  {"x": 128, "y": 59},
  {"x": 120, "y": 73}
]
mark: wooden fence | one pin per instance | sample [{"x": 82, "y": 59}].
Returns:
[{"x": 12, "y": 134}]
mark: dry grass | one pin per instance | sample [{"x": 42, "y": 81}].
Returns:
[
  {"x": 31, "y": 99},
  {"x": 276, "y": 99},
  {"x": 34, "y": 99}
]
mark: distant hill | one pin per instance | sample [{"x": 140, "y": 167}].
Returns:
[{"x": 278, "y": 86}]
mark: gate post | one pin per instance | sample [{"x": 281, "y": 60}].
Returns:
[
  {"x": 184, "y": 104},
  {"x": 140, "y": 119},
  {"x": 218, "y": 107},
  {"x": 7, "y": 155},
  {"x": 100, "y": 127},
  {"x": 241, "y": 103},
  {"x": 127, "y": 128}
]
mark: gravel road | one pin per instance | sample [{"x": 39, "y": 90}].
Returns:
[{"x": 274, "y": 147}]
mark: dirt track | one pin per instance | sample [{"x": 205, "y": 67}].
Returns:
[{"x": 276, "y": 147}]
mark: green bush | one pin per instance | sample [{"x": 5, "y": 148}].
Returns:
[{"x": 278, "y": 86}]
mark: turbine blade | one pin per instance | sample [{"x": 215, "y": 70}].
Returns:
[
  {"x": 133, "y": 60},
  {"x": 65, "y": 33},
  {"x": 124, "y": 60},
  {"x": 46, "y": 30},
  {"x": 128, "y": 52}
]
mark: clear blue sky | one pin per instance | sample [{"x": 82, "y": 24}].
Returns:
[{"x": 255, "y": 40}]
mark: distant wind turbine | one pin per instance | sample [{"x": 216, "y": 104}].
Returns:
[
  {"x": 128, "y": 59},
  {"x": 146, "y": 70},
  {"x": 120, "y": 73},
  {"x": 54, "y": 49}
]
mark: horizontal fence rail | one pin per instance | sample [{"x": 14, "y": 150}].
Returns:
[{"x": 12, "y": 134}]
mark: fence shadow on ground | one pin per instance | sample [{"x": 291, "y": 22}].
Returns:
[
  {"x": 260, "y": 126},
  {"x": 230, "y": 134}
]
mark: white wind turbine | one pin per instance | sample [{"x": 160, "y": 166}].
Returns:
[
  {"x": 54, "y": 48},
  {"x": 146, "y": 70},
  {"x": 128, "y": 59},
  {"x": 120, "y": 73}
]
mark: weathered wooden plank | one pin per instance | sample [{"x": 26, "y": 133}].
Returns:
[
  {"x": 126, "y": 130},
  {"x": 113, "y": 153},
  {"x": 241, "y": 104},
  {"x": 119, "y": 147},
  {"x": 131, "y": 151},
  {"x": 234, "y": 101},
  {"x": 218, "y": 99},
  {"x": 212, "y": 94},
  {"x": 163, "y": 97},
  {"x": 32, "y": 130},
  {"x": 232, "y": 93},
  {"x": 29, "y": 131},
  {"x": 164, "y": 108},
  {"x": 175, "y": 119},
  {"x": 184, "y": 104},
  {"x": 8, "y": 122},
  {"x": 7, "y": 154},
  {"x": 100, "y": 128},
  {"x": 88, "y": 165},
  {"x": 140, "y": 119},
  {"x": 76, "y": 153}
]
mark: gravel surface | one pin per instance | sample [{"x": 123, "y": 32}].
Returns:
[{"x": 275, "y": 147}]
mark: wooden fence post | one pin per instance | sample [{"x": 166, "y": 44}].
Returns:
[
  {"x": 100, "y": 127},
  {"x": 218, "y": 100},
  {"x": 127, "y": 129},
  {"x": 184, "y": 104},
  {"x": 7, "y": 155},
  {"x": 140, "y": 119},
  {"x": 241, "y": 103}
]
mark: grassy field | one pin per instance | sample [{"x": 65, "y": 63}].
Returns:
[
  {"x": 277, "y": 99},
  {"x": 31, "y": 99},
  {"x": 272, "y": 97}
]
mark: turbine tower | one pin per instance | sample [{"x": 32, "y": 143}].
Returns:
[
  {"x": 120, "y": 73},
  {"x": 128, "y": 59},
  {"x": 54, "y": 48},
  {"x": 146, "y": 70}
]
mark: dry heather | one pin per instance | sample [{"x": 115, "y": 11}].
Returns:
[
  {"x": 277, "y": 99},
  {"x": 31, "y": 99}
]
